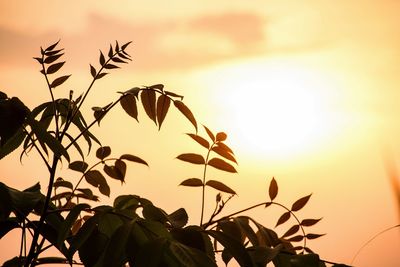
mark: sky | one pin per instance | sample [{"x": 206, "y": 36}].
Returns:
[{"x": 306, "y": 91}]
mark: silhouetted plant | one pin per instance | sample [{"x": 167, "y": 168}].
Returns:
[{"x": 133, "y": 231}]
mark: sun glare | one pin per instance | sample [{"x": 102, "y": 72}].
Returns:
[{"x": 274, "y": 109}]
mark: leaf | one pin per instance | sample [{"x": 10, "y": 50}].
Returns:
[
  {"x": 55, "y": 67},
  {"x": 292, "y": 230},
  {"x": 299, "y": 204},
  {"x": 121, "y": 167},
  {"x": 194, "y": 182},
  {"x": 39, "y": 59},
  {"x": 186, "y": 112},
  {"x": 133, "y": 159},
  {"x": 148, "y": 98},
  {"x": 284, "y": 217},
  {"x": 128, "y": 103},
  {"x": 79, "y": 166},
  {"x": 103, "y": 152},
  {"x": 314, "y": 236},
  {"x": 101, "y": 75},
  {"x": 93, "y": 71},
  {"x": 110, "y": 52},
  {"x": 59, "y": 81},
  {"x": 51, "y": 59},
  {"x": 296, "y": 238},
  {"x": 221, "y": 136},
  {"x": 173, "y": 94},
  {"x": 200, "y": 140},
  {"x": 118, "y": 60},
  {"x": 62, "y": 183},
  {"x": 273, "y": 189},
  {"x": 221, "y": 165},
  {"x": 157, "y": 86},
  {"x": 51, "y": 47},
  {"x": 111, "y": 66},
  {"x": 192, "y": 158},
  {"x": 178, "y": 218},
  {"x": 102, "y": 60},
  {"x": 125, "y": 45},
  {"x": 97, "y": 179},
  {"x": 310, "y": 222},
  {"x": 163, "y": 104},
  {"x": 52, "y": 53},
  {"x": 225, "y": 147},
  {"x": 12, "y": 143},
  {"x": 220, "y": 186},
  {"x": 209, "y": 133},
  {"x": 222, "y": 152}
]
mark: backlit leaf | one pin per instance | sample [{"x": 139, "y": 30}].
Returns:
[
  {"x": 55, "y": 67},
  {"x": 210, "y": 134},
  {"x": 39, "y": 59},
  {"x": 296, "y": 238},
  {"x": 221, "y": 165},
  {"x": 273, "y": 189},
  {"x": 157, "y": 86},
  {"x": 101, "y": 75},
  {"x": 128, "y": 103},
  {"x": 148, "y": 98},
  {"x": 194, "y": 182},
  {"x": 309, "y": 222},
  {"x": 222, "y": 152},
  {"x": 95, "y": 178},
  {"x": 110, "y": 52},
  {"x": 186, "y": 112},
  {"x": 133, "y": 159},
  {"x": 111, "y": 66},
  {"x": 313, "y": 236},
  {"x": 163, "y": 104},
  {"x": 225, "y": 147},
  {"x": 103, "y": 152},
  {"x": 284, "y": 218},
  {"x": 192, "y": 158},
  {"x": 200, "y": 140},
  {"x": 173, "y": 94},
  {"x": 52, "y": 53},
  {"x": 299, "y": 204},
  {"x": 102, "y": 60},
  {"x": 220, "y": 186},
  {"x": 221, "y": 136},
  {"x": 51, "y": 59},
  {"x": 51, "y": 47},
  {"x": 59, "y": 81},
  {"x": 125, "y": 45},
  {"x": 292, "y": 230},
  {"x": 93, "y": 71},
  {"x": 118, "y": 60}
]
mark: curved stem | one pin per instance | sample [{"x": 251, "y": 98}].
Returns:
[{"x": 204, "y": 185}]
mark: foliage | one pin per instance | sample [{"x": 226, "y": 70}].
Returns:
[{"x": 133, "y": 230}]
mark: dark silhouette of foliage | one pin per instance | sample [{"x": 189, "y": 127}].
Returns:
[{"x": 133, "y": 231}]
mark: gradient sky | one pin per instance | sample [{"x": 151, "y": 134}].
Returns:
[{"x": 307, "y": 91}]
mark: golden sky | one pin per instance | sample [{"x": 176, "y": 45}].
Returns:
[{"x": 308, "y": 92}]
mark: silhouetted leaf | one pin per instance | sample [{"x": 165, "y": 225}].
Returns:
[
  {"x": 292, "y": 230},
  {"x": 173, "y": 94},
  {"x": 284, "y": 217},
  {"x": 110, "y": 52},
  {"x": 95, "y": 178},
  {"x": 110, "y": 66},
  {"x": 102, "y": 60},
  {"x": 101, "y": 75},
  {"x": 125, "y": 45},
  {"x": 55, "y": 67},
  {"x": 52, "y": 53},
  {"x": 59, "y": 81},
  {"x": 51, "y": 47},
  {"x": 299, "y": 204},
  {"x": 309, "y": 260},
  {"x": 121, "y": 167},
  {"x": 178, "y": 218},
  {"x": 93, "y": 71},
  {"x": 220, "y": 186},
  {"x": 192, "y": 158},
  {"x": 62, "y": 183},
  {"x": 195, "y": 182},
  {"x": 273, "y": 189},
  {"x": 134, "y": 159},
  {"x": 118, "y": 60},
  {"x": 124, "y": 56},
  {"x": 163, "y": 104},
  {"x": 76, "y": 145},
  {"x": 51, "y": 59},
  {"x": 113, "y": 172},
  {"x": 79, "y": 166},
  {"x": 310, "y": 222},
  {"x": 222, "y": 152},
  {"x": 103, "y": 152},
  {"x": 157, "y": 86},
  {"x": 186, "y": 111},
  {"x": 39, "y": 59},
  {"x": 209, "y": 133},
  {"x": 128, "y": 103},
  {"x": 221, "y": 165},
  {"x": 296, "y": 238},
  {"x": 86, "y": 192},
  {"x": 148, "y": 98},
  {"x": 200, "y": 140},
  {"x": 221, "y": 136},
  {"x": 314, "y": 236}
]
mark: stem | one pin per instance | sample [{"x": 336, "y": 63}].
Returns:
[
  {"x": 38, "y": 150},
  {"x": 204, "y": 185}
]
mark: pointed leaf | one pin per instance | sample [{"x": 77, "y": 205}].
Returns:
[
  {"x": 128, "y": 103},
  {"x": 225, "y": 147},
  {"x": 118, "y": 60},
  {"x": 51, "y": 59},
  {"x": 200, "y": 140},
  {"x": 59, "y": 81},
  {"x": 125, "y": 45},
  {"x": 110, "y": 52},
  {"x": 52, "y": 53},
  {"x": 299, "y": 204},
  {"x": 121, "y": 167},
  {"x": 111, "y": 66},
  {"x": 186, "y": 112},
  {"x": 163, "y": 104},
  {"x": 195, "y": 182},
  {"x": 220, "y": 186},
  {"x": 157, "y": 86},
  {"x": 284, "y": 218},
  {"x": 93, "y": 71},
  {"x": 314, "y": 236},
  {"x": 296, "y": 238},
  {"x": 273, "y": 189},
  {"x": 134, "y": 159},
  {"x": 173, "y": 94},
  {"x": 102, "y": 60},
  {"x": 61, "y": 183},
  {"x": 221, "y": 165},
  {"x": 39, "y": 59},
  {"x": 101, "y": 75},
  {"x": 310, "y": 222},
  {"x": 192, "y": 158},
  {"x": 148, "y": 98},
  {"x": 209, "y": 133},
  {"x": 222, "y": 152},
  {"x": 51, "y": 47},
  {"x": 103, "y": 152},
  {"x": 292, "y": 230},
  {"x": 221, "y": 136},
  {"x": 55, "y": 67},
  {"x": 178, "y": 218},
  {"x": 97, "y": 179}
]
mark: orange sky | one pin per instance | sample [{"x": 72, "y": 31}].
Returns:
[{"x": 307, "y": 92}]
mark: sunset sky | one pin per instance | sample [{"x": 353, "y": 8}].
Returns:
[{"x": 307, "y": 91}]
